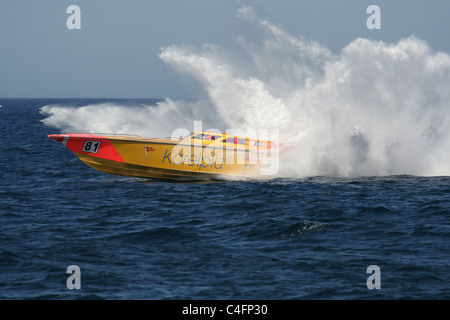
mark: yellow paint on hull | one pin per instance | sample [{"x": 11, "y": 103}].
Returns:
[
  {"x": 138, "y": 171},
  {"x": 163, "y": 158}
]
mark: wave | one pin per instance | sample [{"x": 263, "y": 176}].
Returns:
[{"x": 372, "y": 109}]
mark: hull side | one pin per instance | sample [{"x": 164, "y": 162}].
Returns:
[
  {"x": 161, "y": 158},
  {"x": 139, "y": 171}
]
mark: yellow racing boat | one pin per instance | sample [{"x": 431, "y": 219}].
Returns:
[{"x": 200, "y": 155}]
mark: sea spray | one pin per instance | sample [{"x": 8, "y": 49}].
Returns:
[
  {"x": 153, "y": 120},
  {"x": 372, "y": 109}
]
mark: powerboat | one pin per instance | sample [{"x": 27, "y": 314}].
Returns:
[{"x": 199, "y": 155}]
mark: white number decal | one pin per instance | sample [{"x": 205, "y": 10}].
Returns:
[{"x": 91, "y": 146}]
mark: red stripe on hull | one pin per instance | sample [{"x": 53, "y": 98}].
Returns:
[{"x": 75, "y": 143}]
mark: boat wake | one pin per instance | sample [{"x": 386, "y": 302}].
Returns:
[{"x": 372, "y": 109}]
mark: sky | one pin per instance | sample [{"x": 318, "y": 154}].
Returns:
[{"x": 116, "y": 52}]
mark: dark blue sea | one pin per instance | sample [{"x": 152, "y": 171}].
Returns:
[{"x": 281, "y": 239}]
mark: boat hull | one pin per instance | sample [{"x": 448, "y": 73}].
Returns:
[
  {"x": 143, "y": 171},
  {"x": 160, "y": 158}
]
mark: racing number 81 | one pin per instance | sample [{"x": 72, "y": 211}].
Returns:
[{"x": 91, "y": 146}]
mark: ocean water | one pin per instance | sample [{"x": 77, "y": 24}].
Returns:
[
  {"x": 359, "y": 208},
  {"x": 310, "y": 237}
]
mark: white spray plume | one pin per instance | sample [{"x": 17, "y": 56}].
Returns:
[{"x": 372, "y": 109}]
